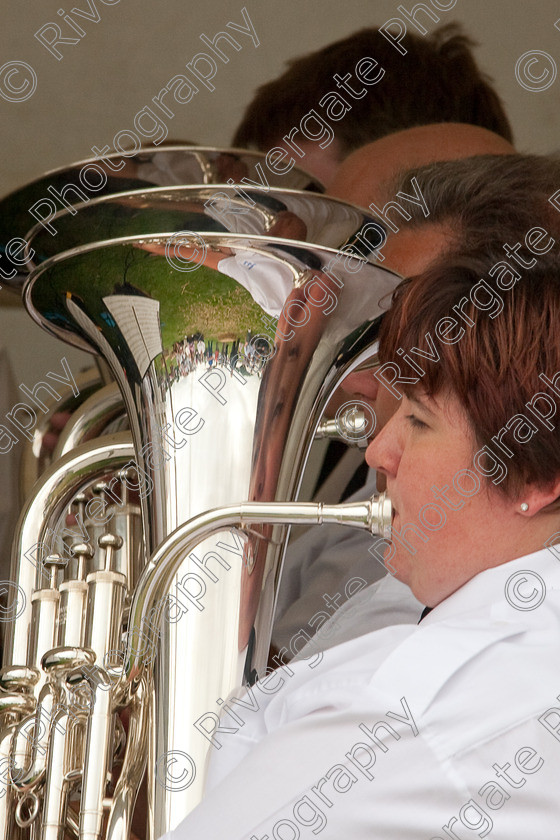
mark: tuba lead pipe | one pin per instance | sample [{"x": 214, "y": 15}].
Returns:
[{"x": 373, "y": 516}]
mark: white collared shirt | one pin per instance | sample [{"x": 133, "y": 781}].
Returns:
[{"x": 447, "y": 729}]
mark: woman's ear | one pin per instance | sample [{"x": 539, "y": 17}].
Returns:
[{"x": 535, "y": 497}]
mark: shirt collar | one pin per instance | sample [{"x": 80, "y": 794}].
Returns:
[
  {"x": 477, "y": 616},
  {"x": 503, "y": 584}
]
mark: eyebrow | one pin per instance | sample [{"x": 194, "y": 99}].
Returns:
[{"x": 414, "y": 399}]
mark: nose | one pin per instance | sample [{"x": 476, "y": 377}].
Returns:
[{"x": 384, "y": 452}]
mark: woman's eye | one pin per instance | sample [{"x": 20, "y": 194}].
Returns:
[{"x": 414, "y": 421}]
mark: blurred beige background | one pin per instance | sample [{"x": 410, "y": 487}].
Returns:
[{"x": 99, "y": 85}]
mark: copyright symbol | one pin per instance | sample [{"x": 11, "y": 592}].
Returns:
[
  {"x": 175, "y": 770},
  {"x": 20, "y": 88},
  {"x": 355, "y": 421},
  {"x": 14, "y": 606},
  {"x": 535, "y": 82},
  {"x": 185, "y": 251},
  {"x": 525, "y": 590}
]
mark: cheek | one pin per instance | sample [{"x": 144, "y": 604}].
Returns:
[
  {"x": 422, "y": 468},
  {"x": 420, "y": 462}
]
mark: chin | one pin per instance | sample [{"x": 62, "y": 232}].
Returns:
[{"x": 399, "y": 568}]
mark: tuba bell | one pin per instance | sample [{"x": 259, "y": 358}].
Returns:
[{"x": 226, "y": 337}]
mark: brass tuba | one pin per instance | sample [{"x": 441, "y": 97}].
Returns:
[{"x": 226, "y": 337}]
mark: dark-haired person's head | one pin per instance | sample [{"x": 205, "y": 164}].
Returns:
[
  {"x": 437, "y": 81},
  {"x": 488, "y": 206},
  {"x": 472, "y": 454},
  {"x": 379, "y": 177},
  {"x": 486, "y": 201}
]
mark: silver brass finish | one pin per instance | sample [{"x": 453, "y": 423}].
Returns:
[
  {"x": 279, "y": 213},
  {"x": 150, "y": 167},
  {"x": 159, "y": 598}
]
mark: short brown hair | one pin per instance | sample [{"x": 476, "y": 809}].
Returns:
[
  {"x": 494, "y": 367},
  {"x": 437, "y": 81}
]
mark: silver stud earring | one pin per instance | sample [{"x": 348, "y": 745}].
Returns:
[{"x": 524, "y": 506}]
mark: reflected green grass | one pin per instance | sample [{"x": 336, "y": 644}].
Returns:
[{"x": 202, "y": 300}]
